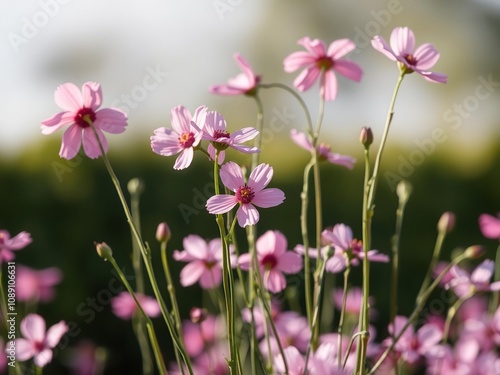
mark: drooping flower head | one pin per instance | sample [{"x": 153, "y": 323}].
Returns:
[
  {"x": 37, "y": 342},
  {"x": 124, "y": 305},
  {"x": 37, "y": 285},
  {"x": 323, "y": 150},
  {"x": 322, "y": 63},
  {"x": 462, "y": 282},
  {"x": 81, "y": 109},
  {"x": 8, "y": 244},
  {"x": 244, "y": 83},
  {"x": 185, "y": 135},
  {"x": 274, "y": 260},
  {"x": 402, "y": 50},
  {"x": 215, "y": 131},
  {"x": 490, "y": 226},
  {"x": 247, "y": 194},
  {"x": 204, "y": 261}
]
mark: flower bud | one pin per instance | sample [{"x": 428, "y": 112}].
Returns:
[
  {"x": 197, "y": 315},
  {"x": 474, "y": 252},
  {"x": 447, "y": 222},
  {"x": 103, "y": 250},
  {"x": 403, "y": 190},
  {"x": 135, "y": 186},
  {"x": 163, "y": 233},
  {"x": 366, "y": 136}
]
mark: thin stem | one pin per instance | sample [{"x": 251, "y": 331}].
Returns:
[
  {"x": 451, "y": 313},
  {"x": 342, "y": 313},
  {"x": 260, "y": 125},
  {"x": 171, "y": 288}
]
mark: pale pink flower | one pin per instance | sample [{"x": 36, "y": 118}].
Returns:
[
  {"x": 340, "y": 237},
  {"x": 478, "y": 280},
  {"x": 86, "y": 359},
  {"x": 353, "y": 301},
  {"x": 335, "y": 260},
  {"x": 205, "y": 261},
  {"x": 274, "y": 260},
  {"x": 459, "y": 360},
  {"x": 215, "y": 131},
  {"x": 294, "y": 359},
  {"x": 247, "y": 194},
  {"x": 202, "y": 335},
  {"x": 293, "y": 330},
  {"x": 37, "y": 342},
  {"x": 244, "y": 83},
  {"x": 37, "y": 285},
  {"x": 323, "y": 150},
  {"x": 490, "y": 226},
  {"x": 124, "y": 305},
  {"x": 8, "y": 244},
  {"x": 322, "y": 63},
  {"x": 413, "y": 345},
  {"x": 80, "y": 110},
  {"x": 185, "y": 135},
  {"x": 401, "y": 50}
]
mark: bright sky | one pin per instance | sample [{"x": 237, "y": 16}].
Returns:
[{"x": 151, "y": 55}]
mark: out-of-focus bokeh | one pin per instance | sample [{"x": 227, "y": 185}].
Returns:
[{"x": 150, "y": 56}]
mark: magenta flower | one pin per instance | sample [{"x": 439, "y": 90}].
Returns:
[
  {"x": 8, "y": 244},
  {"x": 220, "y": 139},
  {"x": 274, "y": 260},
  {"x": 184, "y": 136},
  {"x": 490, "y": 226},
  {"x": 322, "y": 63},
  {"x": 86, "y": 358},
  {"x": 37, "y": 342},
  {"x": 401, "y": 50},
  {"x": 80, "y": 111},
  {"x": 124, "y": 306},
  {"x": 243, "y": 83},
  {"x": 323, "y": 150},
  {"x": 205, "y": 261},
  {"x": 37, "y": 285},
  {"x": 246, "y": 194},
  {"x": 200, "y": 336},
  {"x": 340, "y": 237},
  {"x": 463, "y": 283}
]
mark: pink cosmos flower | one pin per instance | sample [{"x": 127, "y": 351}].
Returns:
[
  {"x": 8, "y": 244},
  {"x": 37, "y": 342},
  {"x": 37, "y": 285},
  {"x": 200, "y": 336},
  {"x": 274, "y": 260},
  {"x": 124, "y": 306},
  {"x": 220, "y": 139},
  {"x": 81, "y": 109},
  {"x": 205, "y": 261},
  {"x": 335, "y": 262},
  {"x": 340, "y": 237},
  {"x": 243, "y": 83},
  {"x": 401, "y": 50},
  {"x": 86, "y": 358},
  {"x": 353, "y": 300},
  {"x": 490, "y": 226},
  {"x": 246, "y": 194},
  {"x": 323, "y": 150},
  {"x": 463, "y": 283},
  {"x": 412, "y": 345},
  {"x": 322, "y": 63},
  {"x": 184, "y": 136}
]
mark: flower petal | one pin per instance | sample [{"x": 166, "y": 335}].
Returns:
[
  {"x": 260, "y": 177},
  {"x": 57, "y": 121},
  {"x": 69, "y": 97},
  {"x": 220, "y": 204},
  {"x": 165, "y": 142},
  {"x": 195, "y": 246},
  {"x": 426, "y": 56},
  {"x": 349, "y": 69},
  {"x": 91, "y": 95},
  {"x": 482, "y": 273},
  {"x": 433, "y": 76},
  {"x": 192, "y": 272},
  {"x": 274, "y": 281},
  {"x": 55, "y": 333},
  {"x": 339, "y": 48},
  {"x": 247, "y": 215},
  {"x": 290, "y": 262},
  {"x": 306, "y": 78},
  {"x": 43, "y": 358},
  {"x": 490, "y": 226},
  {"x": 271, "y": 242},
  {"x": 301, "y": 139},
  {"x": 268, "y": 198},
  {"x": 314, "y": 46},
  {"x": 379, "y": 44},
  {"x": 232, "y": 176},
  {"x": 71, "y": 142},
  {"x": 184, "y": 159},
  {"x": 111, "y": 120},
  {"x": 244, "y": 134},
  {"x": 344, "y": 160},
  {"x": 297, "y": 60},
  {"x": 329, "y": 88},
  {"x": 91, "y": 145},
  {"x": 180, "y": 119},
  {"x": 402, "y": 41},
  {"x": 33, "y": 328}
]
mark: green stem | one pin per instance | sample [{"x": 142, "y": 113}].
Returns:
[
  {"x": 342, "y": 313},
  {"x": 451, "y": 313},
  {"x": 495, "y": 294}
]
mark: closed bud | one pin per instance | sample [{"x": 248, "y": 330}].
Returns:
[
  {"x": 135, "y": 186},
  {"x": 103, "y": 250},
  {"x": 163, "y": 233},
  {"x": 446, "y": 222},
  {"x": 197, "y": 315},
  {"x": 366, "y": 136},
  {"x": 403, "y": 190},
  {"x": 474, "y": 252}
]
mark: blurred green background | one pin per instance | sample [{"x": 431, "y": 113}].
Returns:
[{"x": 67, "y": 205}]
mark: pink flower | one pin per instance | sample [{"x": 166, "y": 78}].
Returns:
[
  {"x": 323, "y": 150},
  {"x": 412, "y": 345},
  {"x": 320, "y": 62},
  {"x": 243, "y": 83},
  {"x": 335, "y": 262},
  {"x": 490, "y": 226},
  {"x": 246, "y": 194},
  {"x": 220, "y": 139},
  {"x": 463, "y": 283},
  {"x": 293, "y": 330},
  {"x": 37, "y": 342},
  {"x": 205, "y": 261},
  {"x": 80, "y": 110},
  {"x": 184, "y": 136},
  {"x": 124, "y": 306},
  {"x": 353, "y": 300},
  {"x": 86, "y": 359},
  {"x": 8, "y": 244},
  {"x": 37, "y": 285},
  {"x": 340, "y": 237},
  {"x": 401, "y": 50},
  {"x": 274, "y": 260},
  {"x": 200, "y": 336}
]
